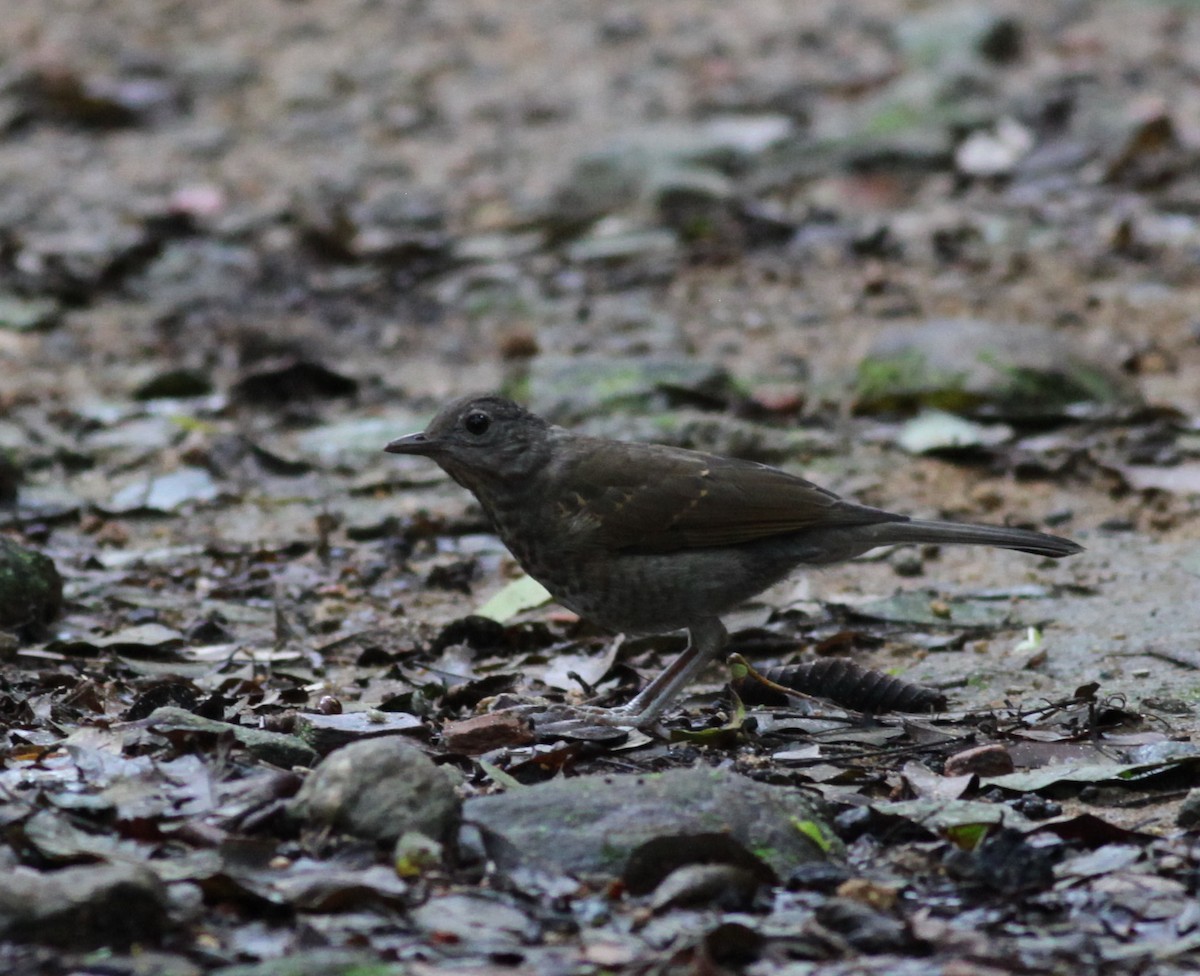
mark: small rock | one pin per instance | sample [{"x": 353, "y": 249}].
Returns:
[
  {"x": 379, "y": 789},
  {"x": 414, "y": 854},
  {"x": 483, "y": 733},
  {"x": 1189, "y": 811},
  {"x": 30, "y": 588},
  {"x": 1002, "y": 41},
  {"x": 962, "y": 365},
  {"x": 619, "y": 176},
  {"x": 277, "y": 748},
  {"x": 570, "y": 389},
  {"x": 592, "y": 824},
  {"x": 1037, "y": 807},
  {"x": 907, "y": 564},
  {"x": 89, "y": 907}
]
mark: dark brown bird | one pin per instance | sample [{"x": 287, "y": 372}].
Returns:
[{"x": 642, "y": 538}]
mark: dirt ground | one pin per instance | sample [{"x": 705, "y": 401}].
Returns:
[{"x": 242, "y": 246}]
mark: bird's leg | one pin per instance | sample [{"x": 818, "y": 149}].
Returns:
[{"x": 706, "y": 638}]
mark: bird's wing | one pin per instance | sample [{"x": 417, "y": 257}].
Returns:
[{"x": 641, "y": 498}]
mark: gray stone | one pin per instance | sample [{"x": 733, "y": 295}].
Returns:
[
  {"x": 591, "y": 824},
  {"x": 647, "y": 159},
  {"x": 85, "y": 907},
  {"x": 273, "y": 747},
  {"x": 570, "y": 388},
  {"x": 1017, "y": 370},
  {"x": 379, "y": 789},
  {"x": 1189, "y": 811},
  {"x": 30, "y": 588}
]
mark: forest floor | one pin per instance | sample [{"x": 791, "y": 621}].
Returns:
[{"x": 942, "y": 258}]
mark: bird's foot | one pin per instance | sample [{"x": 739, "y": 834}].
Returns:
[{"x": 579, "y": 721}]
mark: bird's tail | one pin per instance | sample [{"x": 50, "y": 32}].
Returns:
[{"x": 1003, "y": 537}]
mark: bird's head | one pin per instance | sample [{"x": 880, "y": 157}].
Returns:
[{"x": 481, "y": 441}]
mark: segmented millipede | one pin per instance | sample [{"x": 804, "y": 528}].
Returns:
[{"x": 844, "y": 683}]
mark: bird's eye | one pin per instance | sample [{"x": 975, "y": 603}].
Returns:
[{"x": 477, "y": 423}]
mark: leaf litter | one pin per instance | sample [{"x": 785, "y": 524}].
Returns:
[{"x": 859, "y": 246}]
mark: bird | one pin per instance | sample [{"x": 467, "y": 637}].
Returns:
[{"x": 645, "y": 538}]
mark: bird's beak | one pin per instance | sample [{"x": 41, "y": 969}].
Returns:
[{"x": 411, "y": 444}]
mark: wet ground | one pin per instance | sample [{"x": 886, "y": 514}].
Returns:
[{"x": 941, "y": 258}]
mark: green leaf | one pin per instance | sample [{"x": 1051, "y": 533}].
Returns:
[
  {"x": 814, "y": 832},
  {"x": 499, "y": 776},
  {"x": 725, "y": 737},
  {"x": 967, "y": 836},
  {"x": 520, "y": 595}
]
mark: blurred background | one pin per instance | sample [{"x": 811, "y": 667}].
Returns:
[{"x": 427, "y": 197}]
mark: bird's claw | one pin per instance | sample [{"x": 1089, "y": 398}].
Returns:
[{"x": 552, "y": 719}]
